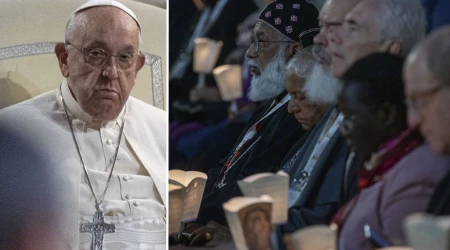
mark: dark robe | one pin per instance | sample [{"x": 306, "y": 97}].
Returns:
[
  {"x": 278, "y": 133},
  {"x": 440, "y": 201},
  {"x": 296, "y": 149},
  {"x": 330, "y": 185}
]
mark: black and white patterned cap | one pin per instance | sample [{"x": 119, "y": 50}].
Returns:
[{"x": 295, "y": 20}]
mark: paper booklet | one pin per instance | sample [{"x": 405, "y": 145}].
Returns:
[
  {"x": 318, "y": 237},
  {"x": 176, "y": 207},
  {"x": 274, "y": 185},
  {"x": 193, "y": 183},
  {"x": 249, "y": 221},
  {"x": 427, "y": 232}
]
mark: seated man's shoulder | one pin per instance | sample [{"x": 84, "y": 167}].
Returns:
[
  {"x": 422, "y": 165},
  {"x": 147, "y": 111},
  {"x": 141, "y": 113}
]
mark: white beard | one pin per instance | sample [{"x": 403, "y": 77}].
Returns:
[
  {"x": 272, "y": 80},
  {"x": 321, "y": 86}
]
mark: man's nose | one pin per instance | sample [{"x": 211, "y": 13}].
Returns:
[
  {"x": 413, "y": 119},
  {"x": 111, "y": 68},
  {"x": 320, "y": 39},
  {"x": 293, "y": 107},
  {"x": 251, "y": 52}
]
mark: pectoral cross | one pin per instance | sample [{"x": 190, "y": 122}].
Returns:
[{"x": 97, "y": 228}]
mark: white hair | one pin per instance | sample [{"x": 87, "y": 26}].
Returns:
[
  {"x": 302, "y": 62},
  {"x": 404, "y": 20},
  {"x": 272, "y": 80},
  {"x": 321, "y": 86}
]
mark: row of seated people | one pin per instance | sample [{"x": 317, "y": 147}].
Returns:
[
  {"x": 199, "y": 115},
  {"x": 372, "y": 140}
]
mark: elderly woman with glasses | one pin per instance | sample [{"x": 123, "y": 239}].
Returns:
[{"x": 398, "y": 171}]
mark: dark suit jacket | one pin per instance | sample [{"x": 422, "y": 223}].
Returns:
[
  {"x": 324, "y": 193},
  {"x": 440, "y": 201},
  {"x": 280, "y": 131}
]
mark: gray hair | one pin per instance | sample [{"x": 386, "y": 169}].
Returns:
[
  {"x": 302, "y": 62},
  {"x": 403, "y": 20},
  {"x": 72, "y": 24}
]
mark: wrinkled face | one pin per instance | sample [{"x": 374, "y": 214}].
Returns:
[
  {"x": 362, "y": 127},
  {"x": 358, "y": 37},
  {"x": 307, "y": 113},
  {"x": 428, "y": 102},
  {"x": 266, "y": 50},
  {"x": 331, "y": 18},
  {"x": 101, "y": 90},
  {"x": 267, "y": 65}
]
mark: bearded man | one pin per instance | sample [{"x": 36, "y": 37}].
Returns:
[
  {"x": 110, "y": 148},
  {"x": 321, "y": 176},
  {"x": 272, "y": 131},
  {"x": 326, "y": 156}
]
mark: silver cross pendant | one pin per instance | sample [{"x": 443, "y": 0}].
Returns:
[{"x": 97, "y": 228}]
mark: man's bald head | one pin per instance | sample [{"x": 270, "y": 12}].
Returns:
[
  {"x": 427, "y": 87},
  {"x": 435, "y": 51}
]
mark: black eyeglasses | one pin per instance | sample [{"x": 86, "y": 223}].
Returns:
[
  {"x": 256, "y": 42},
  {"x": 98, "y": 57}
]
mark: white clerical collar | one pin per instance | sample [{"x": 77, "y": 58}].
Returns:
[{"x": 75, "y": 109}]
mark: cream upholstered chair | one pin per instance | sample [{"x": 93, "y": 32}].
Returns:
[
  {"x": 158, "y": 3},
  {"x": 29, "y": 30}
]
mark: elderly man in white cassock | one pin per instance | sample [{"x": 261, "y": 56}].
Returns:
[{"x": 108, "y": 148}]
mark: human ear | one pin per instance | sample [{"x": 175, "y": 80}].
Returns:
[
  {"x": 62, "y": 55},
  {"x": 391, "y": 46},
  {"x": 292, "y": 49},
  {"x": 140, "y": 62},
  {"x": 388, "y": 114}
]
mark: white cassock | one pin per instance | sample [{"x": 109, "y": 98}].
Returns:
[{"x": 136, "y": 197}]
